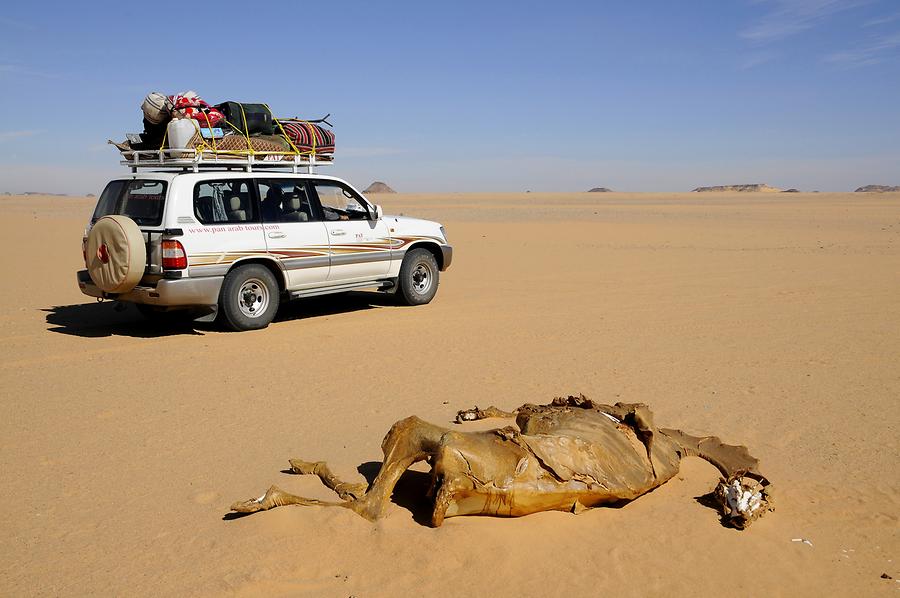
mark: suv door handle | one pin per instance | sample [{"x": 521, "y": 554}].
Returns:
[
  {"x": 277, "y": 235},
  {"x": 338, "y": 233}
]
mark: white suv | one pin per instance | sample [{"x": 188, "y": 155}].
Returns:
[{"x": 235, "y": 243}]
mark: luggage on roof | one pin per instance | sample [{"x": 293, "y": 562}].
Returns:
[
  {"x": 308, "y": 136},
  {"x": 223, "y": 134},
  {"x": 248, "y": 119}
]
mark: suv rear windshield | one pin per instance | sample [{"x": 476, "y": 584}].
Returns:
[{"x": 140, "y": 199}]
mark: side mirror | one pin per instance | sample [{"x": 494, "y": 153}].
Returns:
[{"x": 378, "y": 212}]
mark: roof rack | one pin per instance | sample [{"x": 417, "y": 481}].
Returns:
[{"x": 192, "y": 160}]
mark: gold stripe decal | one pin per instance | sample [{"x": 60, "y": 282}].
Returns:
[{"x": 307, "y": 251}]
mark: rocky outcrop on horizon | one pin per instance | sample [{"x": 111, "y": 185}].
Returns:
[
  {"x": 378, "y": 187},
  {"x": 756, "y": 187},
  {"x": 39, "y": 193},
  {"x": 599, "y": 190},
  {"x": 791, "y": 190},
  {"x": 877, "y": 189}
]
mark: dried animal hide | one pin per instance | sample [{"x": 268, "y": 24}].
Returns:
[{"x": 569, "y": 455}]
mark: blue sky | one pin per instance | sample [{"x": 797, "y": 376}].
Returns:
[{"x": 465, "y": 96}]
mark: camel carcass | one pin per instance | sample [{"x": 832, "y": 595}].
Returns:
[{"x": 569, "y": 455}]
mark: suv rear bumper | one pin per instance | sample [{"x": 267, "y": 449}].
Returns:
[{"x": 183, "y": 292}]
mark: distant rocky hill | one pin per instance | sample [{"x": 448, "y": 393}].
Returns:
[
  {"x": 599, "y": 190},
  {"x": 37, "y": 193},
  {"x": 759, "y": 187},
  {"x": 877, "y": 189},
  {"x": 378, "y": 187},
  {"x": 791, "y": 191}
]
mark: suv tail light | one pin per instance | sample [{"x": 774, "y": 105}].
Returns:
[
  {"x": 173, "y": 256},
  {"x": 84, "y": 250}
]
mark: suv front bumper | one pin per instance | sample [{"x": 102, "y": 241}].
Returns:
[
  {"x": 182, "y": 292},
  {"x": 447, "y": 255}
]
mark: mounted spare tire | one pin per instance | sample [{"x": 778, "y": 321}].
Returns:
[{"x": 116, "y": 254}]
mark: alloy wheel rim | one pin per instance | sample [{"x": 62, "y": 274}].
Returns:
[
  {"x": 421, "y": 278},
  {"x": 253, "y": 298}
]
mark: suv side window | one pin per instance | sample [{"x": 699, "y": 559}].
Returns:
[
  {"x": 285, "y": 200},
  {"x": 224, "y": 202},
  {"x": 340, "y": 202}
]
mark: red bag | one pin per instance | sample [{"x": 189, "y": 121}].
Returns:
[
  {"x": 307, "y": 136},
  {"x": 190, "y": 105}
]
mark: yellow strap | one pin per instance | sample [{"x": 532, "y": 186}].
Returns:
[
  {"x": 283, "y": 134},
  {"x": 166, "y": 137},
  {"x": 247, "y": 138},
  {"x": 246, "y": 128},
  {"x": 202, "y": 145},
  {"x": 211, "y": 134},
  {"x": 312, "y": 131}
]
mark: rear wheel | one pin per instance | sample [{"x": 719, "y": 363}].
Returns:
[
  {"x": 249, "y": 298},
  {"x": 419, "y": 277}
]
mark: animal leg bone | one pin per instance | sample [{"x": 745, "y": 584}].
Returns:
[
  {"x": 345, "y": 490},
  {"x": 408, "y": 441},
  {"x": 275, "y": 497}
]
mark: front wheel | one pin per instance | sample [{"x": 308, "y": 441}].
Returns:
[
  {"x": 249, "y": 298},
  {"x": 419, "y": 277}
]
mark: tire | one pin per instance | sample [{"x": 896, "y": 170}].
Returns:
[
  {"x": 116, "y": 254},
  {"x": 249, "y": 298},
  {"x": 419, "y": 278}
]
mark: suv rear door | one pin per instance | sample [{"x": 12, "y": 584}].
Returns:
[
  {"x": 143, "y": 200},
  {"x": 294, "y": 231},
  {"x": 229, "y": 228}
]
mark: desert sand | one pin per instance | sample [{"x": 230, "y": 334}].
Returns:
[{"x": 771, "y": 320}]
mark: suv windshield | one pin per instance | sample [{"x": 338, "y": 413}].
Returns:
[{"x": 140, "y": 200}]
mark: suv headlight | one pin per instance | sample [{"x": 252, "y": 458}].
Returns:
[{"x": 444, "y": 234}]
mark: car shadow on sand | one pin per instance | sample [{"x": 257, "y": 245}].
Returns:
[
  {"x": 330, "y": 305},
  {"x": 93, "y": 320}
]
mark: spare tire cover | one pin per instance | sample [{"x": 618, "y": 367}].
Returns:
[{"x": 116, "y": 254}]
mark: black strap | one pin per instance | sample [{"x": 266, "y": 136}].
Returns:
[{"x": 324, "y": 119}]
